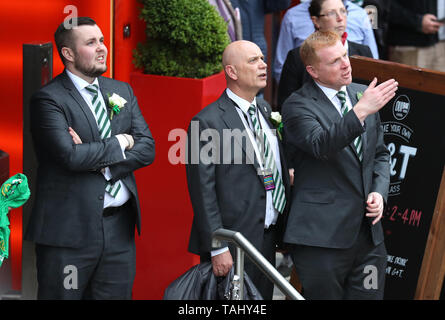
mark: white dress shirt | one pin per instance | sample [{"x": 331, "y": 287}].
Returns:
[
  {"x": 123, "y": 194},
  {"x": 332, "y": 95}
]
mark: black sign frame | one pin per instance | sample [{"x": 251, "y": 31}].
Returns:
[{"x": 414, "y": 220}]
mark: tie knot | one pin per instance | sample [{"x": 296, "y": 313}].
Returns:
[
  {"x": 252, "y": 109},
  {"x": 341, "y": 96},
  {"x": 92, "y": 88}
]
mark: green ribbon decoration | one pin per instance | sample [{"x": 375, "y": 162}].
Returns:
[
  {"x": 116, "y": 109},
  {"x": 14, "y": 193}
]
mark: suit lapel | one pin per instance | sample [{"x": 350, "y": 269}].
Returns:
[
  {"x": 264, "y": 111},
  {"x": 328, "y": 108},
  {"x": 106, "y": 92},
  {"x": 68, "y": 84},
  {"x": 353, "y": 97},
  {"x": 325, "y": 105},
  {"x": 267, "y": 114},
  {"x": 232, "y": 120}
]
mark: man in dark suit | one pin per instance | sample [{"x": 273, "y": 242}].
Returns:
[
  {"x": 341, "y": 176},
  {"x": 416, "y": 33},
  {"x": 326, "y": 15},
  {"x": 232, "y": 189},
  {"x": 86, "y": 205}
]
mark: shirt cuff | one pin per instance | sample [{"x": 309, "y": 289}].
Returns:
[
  {"x": 218, "y": 251},
  {"x": 122, "y": 143},
  {"x": 107, "y": 173}
]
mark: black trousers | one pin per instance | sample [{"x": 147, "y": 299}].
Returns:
[
  {"x": 103, "y": 270},
  {"x": 355, "y": 273},
  {"x": 259, "y": 279}
]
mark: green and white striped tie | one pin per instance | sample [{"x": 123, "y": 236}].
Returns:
[
  {"x": 344, "y": 110},
  {"x": 104, "y": 125},
  {"x": 278, "y": 194}
]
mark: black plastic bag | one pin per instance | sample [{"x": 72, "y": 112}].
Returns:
[{"x": 199, "y": 283}]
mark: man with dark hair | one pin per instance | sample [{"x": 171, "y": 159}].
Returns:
[
  {"x": 341, "y": 177},
  {"x": 89, "y": 136},
  {"x": 416, "y": 34},
  {"x": 63, "y": 37}
]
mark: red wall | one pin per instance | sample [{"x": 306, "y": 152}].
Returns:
[
  {"x": 167, "y": 214},
  {"x": 21, "y": 22},
  {"x": 126, "y": 12},
  {"x": 26, "y": 21}
]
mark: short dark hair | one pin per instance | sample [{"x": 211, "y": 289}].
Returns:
[
  {"x": 64, "y": 36},
  {"x": 315, "y": 7}
]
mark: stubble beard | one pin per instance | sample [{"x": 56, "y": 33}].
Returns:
[{"x": 92, "y": 71}]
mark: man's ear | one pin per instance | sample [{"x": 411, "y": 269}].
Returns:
[
  {"x": 312, "y": 71},
  {"x": 68, "y": 54},
  {"x": 231, "y": 72}
]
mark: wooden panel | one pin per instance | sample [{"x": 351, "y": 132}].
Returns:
[
  {"x": 409, "y": 77},
  {"x": 433, "y": 266}
]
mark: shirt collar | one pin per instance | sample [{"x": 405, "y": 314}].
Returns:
[
  {"x": 329, "y": 92},
  {"x": 80, "y": 83},
  {"x": 240, "y": 102}
]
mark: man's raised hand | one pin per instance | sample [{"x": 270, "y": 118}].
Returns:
[{"x": 375, "y": 97}]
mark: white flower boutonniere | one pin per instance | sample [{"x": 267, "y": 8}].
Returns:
[
  {"x": 275, "y": 118},
  {"x": 117, "y": 103}
]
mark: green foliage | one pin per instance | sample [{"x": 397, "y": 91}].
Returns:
[{"x": 185, "y": 38}]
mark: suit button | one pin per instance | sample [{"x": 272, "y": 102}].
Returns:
[
  {"x": 101, "y": 197},
  {"x": 263, "y": 196},
  {"x": 262, "y": 220}
]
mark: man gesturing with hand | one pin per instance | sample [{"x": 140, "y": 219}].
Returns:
[{"x": 341, "y": 177}]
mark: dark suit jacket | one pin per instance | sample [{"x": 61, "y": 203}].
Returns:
[
  {"x": 294, "y": 73},
  {"x": 405, "y": 23},
  {"x": 226, "y": 195},
  {"x": 330, "y": 184},
  {"x": 70, "y": 187}
]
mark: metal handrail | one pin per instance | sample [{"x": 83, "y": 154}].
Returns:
[{"x": 244, "y": 246}]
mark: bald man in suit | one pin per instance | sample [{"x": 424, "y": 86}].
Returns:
[{"x": 233, "y": 194}]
